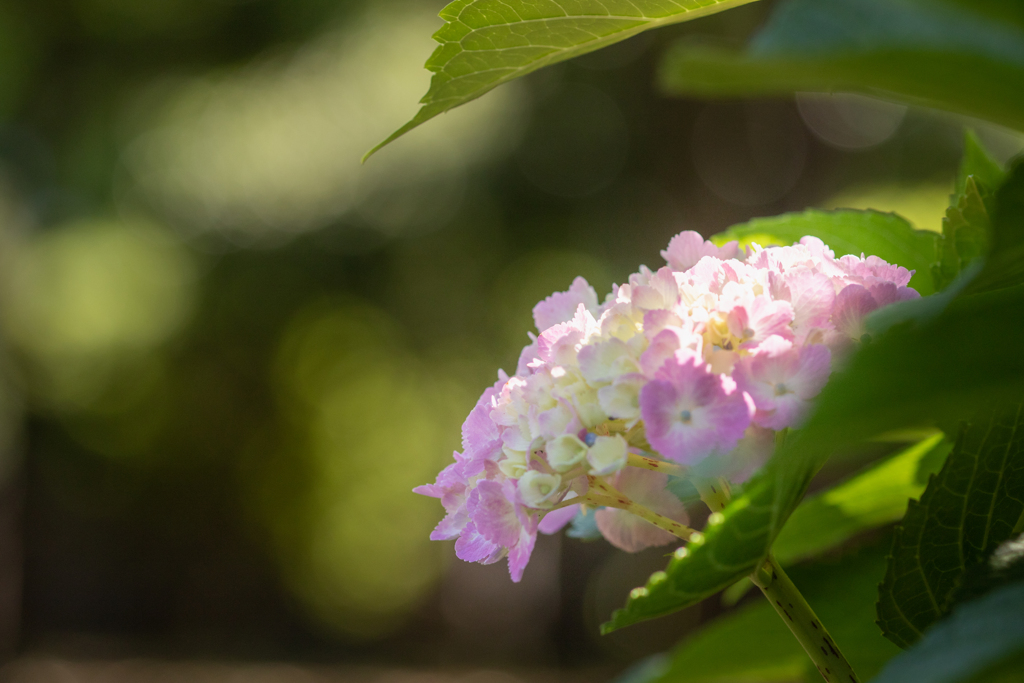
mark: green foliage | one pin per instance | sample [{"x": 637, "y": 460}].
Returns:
[
  {"x": 485, "y": 43},
  {"x": 1005, "y": 263},
  {"x": 769, "y": 652},
  {"x": 728, "y": 549},
  {"x": 945, "y": 55},
  {"x": 847, "y": 231},
  {"x": 875, "y": 497},
  {"x": 967, "y": 224},
  {"x": 965, "y": 232},
  {"x": 978, "y": 635},
  {"x": 1005, "y": 565},
  {"x": 979, "y": 164},
  {"x": 969, "y": 508},
  {"x": 870, "y": 499}
]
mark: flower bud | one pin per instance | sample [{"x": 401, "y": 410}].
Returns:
[
  {"x": 607, "y": 455},
  {"x": 537, "y": 490},
  {"x": 565, "y": 452},
  {"x": 514, "y": 464}
]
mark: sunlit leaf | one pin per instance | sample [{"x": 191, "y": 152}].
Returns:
[
  {"x": 485, "y": 43},
  {"x": 871, "y": 499},
  {"x": 1002, "y": 267},
  {"x": 728, "y": 549},
  {"x": 965, "y": 232},
  {"x": 967, "y": 225},
  {"x": 976, "y": 636},
  {"x": 847, "y": 231},
  {"x": 752, "y": 644},
  {"x": 940, "y": 54},
  {"x": 968, "y": 509}
]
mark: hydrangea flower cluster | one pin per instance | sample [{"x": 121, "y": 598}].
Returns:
[{"x": 688, "y": 370}]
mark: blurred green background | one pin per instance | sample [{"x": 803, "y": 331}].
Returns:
[{"x": 229, "y": 351}]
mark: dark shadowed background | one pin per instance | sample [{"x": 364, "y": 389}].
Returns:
[{"x": 230, "y": 351}]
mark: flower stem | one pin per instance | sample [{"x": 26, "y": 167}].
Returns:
[
  {"x": 602, "y": 494},
  {"x": 803, "y": 622},
  {"x": 642, "y": 461},
  {"x": 714, "y": 492},
  {"x": 787, "y": 600}
]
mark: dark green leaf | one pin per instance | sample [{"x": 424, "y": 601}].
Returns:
[
  {"x": 875, "y": 497},
  {"x": 966, "y": 230},
  {"x": 977, "y": 162},
  {"x": 1005, "y": 565},
  {"x": 976, "y": 636},
  {"x": 732, "y": 546},
  {"x": 935, "y": 53},
  {"x": 485, "y": 43},
  {"x": 752, "y": 644},
  {"x": 967, "y": 226},
  {"x": 968, "y": 509},
  {"x": 871, "y": 499},
  {"x": 1005, "y": 263},
  {"x": 847, "y": 231}
]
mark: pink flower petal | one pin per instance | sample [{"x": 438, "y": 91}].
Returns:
[
  {"x": 493, "y": 511},
  {"x": 556, "y": 520},
  {"x": 628, "y": 532},
  {"x": 560, "y": 307},
  {"x": 473, "y": 547},
  {"x": 519, "y": 554},
  {"x": 689, "y": 247},
  {"x": 689, "y": 412}
]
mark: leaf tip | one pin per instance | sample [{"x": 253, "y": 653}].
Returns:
[
  {"x": 612, "y": 624},
  {"x": 389, "y": 139}
]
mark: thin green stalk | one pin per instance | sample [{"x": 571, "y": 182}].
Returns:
[
  {"x": 803, "y": 622},
  {"x": 601, "y": 493},
  {"x": 714, "y": 492},
  {"x": 643, "y": 462},
  {"x": 787, "y": 600},
  {"x": 780, "y": 590}
]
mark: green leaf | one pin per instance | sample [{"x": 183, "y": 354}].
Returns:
[
  {"x": 729, "y": 548},
  {"x": 752, "y": 644},
  {"x": 1005, "y": 262},
  {"x": 1003, "y": 265},
  {"x": 967, "y": 227},
  {"x": 1005, "y": 565},
  {"x": 917, "y": 372},
  {"x": 871, "y": 499},
  {"x": 485, "y": 43},
  {"x": 847, "y": 231},
  {"x": 978, "y": 635},
  {"x": 940, "y": 54},
  {"x": 979, "y": 164},
  {"x": 967, "y": 510},
  {"x": 966, "y": 231}
]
